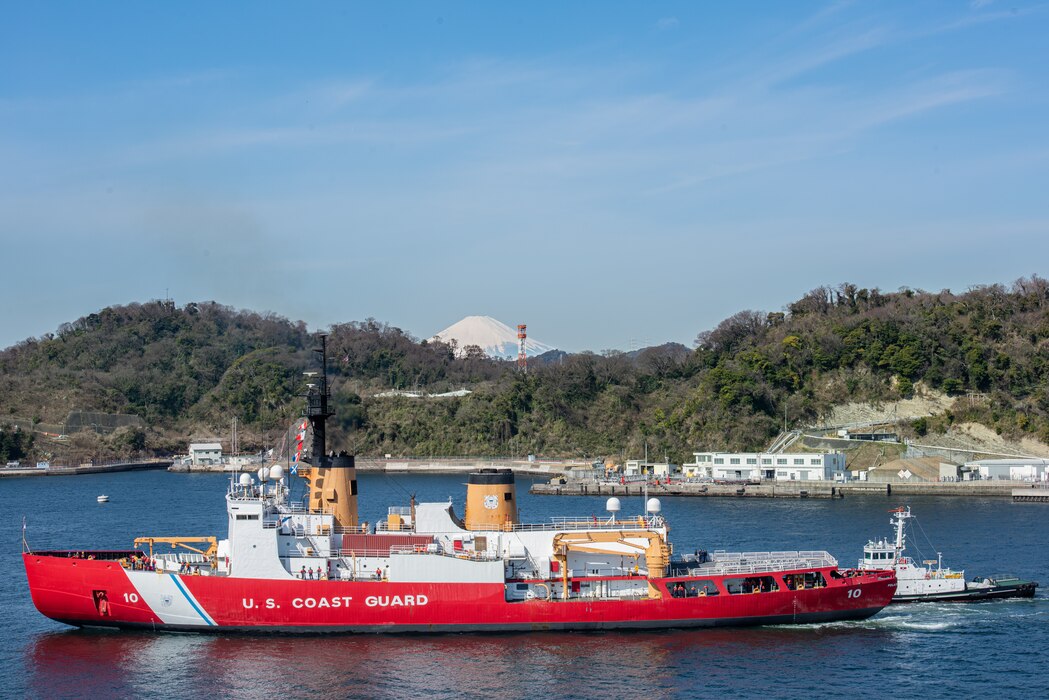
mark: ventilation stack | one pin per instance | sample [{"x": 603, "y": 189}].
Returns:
[
  {"x": 491, "y": 500},
  {"x": 333, "y": 488}
]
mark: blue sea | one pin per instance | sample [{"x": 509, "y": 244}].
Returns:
[{"x": 991, "y": 650}]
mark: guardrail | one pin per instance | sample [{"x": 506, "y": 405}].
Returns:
[
  {"x": 406, "y": 550},
  {"x": 349, "y": 530},
  {"x": 588, "y": 523},
  {"x": 556, "y": 524},
  {"x": 756, "y": 562}
]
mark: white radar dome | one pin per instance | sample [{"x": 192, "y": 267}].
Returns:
[
  {"x": 653, "y": 505},
  {"x": 276, "y": 472},
  {"x": 263, "y": 473},
  {"x": 245, "y": 479},
  {"x": 612, "y": 505}
]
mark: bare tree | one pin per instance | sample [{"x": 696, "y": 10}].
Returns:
[{"x": 731, "y": 332}]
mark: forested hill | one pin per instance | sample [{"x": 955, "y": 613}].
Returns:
[{"x": 187, "y": 371}]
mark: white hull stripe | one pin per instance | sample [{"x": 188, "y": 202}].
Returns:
[
  {"x": 169, "y": 599},
  {"x": 193, "y": 603}
]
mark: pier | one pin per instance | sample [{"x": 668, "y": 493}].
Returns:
[
  {"x": 783, "y": 489},
  {"x": 1037, "y": 493},
  {"x": 415, "y": 465},
  {"x": 88, "y": 468}
]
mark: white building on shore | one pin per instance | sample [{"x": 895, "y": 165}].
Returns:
[
  {"x": 638, "y": 467},
  {"x": 782, "y": 466},
  {"x": 205, "y": 453},
  {"x": 1015, "y": 469}
]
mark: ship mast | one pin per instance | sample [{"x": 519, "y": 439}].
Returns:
[
  {"x": 317, "y": 411},
  {"x": 901, "y": 517},
  {"x": 332, "y": 478}
]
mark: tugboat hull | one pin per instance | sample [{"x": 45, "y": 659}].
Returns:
[{"x": 975, "y": 594}]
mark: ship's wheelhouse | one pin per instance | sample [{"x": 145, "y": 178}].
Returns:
[{"x": 879, "y": 555}]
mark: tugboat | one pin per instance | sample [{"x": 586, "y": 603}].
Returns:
[
  {"x": 310, "y": 565},
  {"x": 933, "y": 582}
]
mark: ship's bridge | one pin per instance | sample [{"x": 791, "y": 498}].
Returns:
[{"x": 880, "y": 554}]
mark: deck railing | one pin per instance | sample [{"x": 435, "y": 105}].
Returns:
[
  {"x": 757, "y": 562},
  {"x": 558, "y": 524},
  {"x": 591, "y": 523},
  {"x": 402, "y": 550}
]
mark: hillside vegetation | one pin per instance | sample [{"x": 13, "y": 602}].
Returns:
[{"x": 188, "y": 370}]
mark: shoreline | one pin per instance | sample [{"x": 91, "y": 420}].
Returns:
[
  {"x": 795, "y": 489},
  {"x": 584, "y": 487},
  {"x": 58, "y": 470},
  {"x": 435, "y": 465}
]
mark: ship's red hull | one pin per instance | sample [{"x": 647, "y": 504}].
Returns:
[{"x": 99, "y": 592}]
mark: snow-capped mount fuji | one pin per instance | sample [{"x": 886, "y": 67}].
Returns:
[{"x": 497, "y": 339}]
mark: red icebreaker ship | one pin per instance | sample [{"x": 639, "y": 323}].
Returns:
[{"x": 309, "y": 566}]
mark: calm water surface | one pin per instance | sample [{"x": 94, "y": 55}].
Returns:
[{"x": 992, "y": 649}]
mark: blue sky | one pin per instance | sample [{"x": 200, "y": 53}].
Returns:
[{"x": 611, "y": 175}]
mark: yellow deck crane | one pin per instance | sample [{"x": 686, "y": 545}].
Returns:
[
  {"x": 656, "y": 551},
  {"x": 210, "y": 553}
]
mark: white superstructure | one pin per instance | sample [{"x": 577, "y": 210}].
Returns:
[{"x": 274, "y": 538}]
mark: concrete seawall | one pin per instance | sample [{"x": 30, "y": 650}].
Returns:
[
  {"x": 781, "y": 489},
  {"x": 1033, "y": 494},
  {"x": 56, "y": 470},
  {"x": 435, "y": 465}
]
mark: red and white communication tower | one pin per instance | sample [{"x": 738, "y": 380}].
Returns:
[{"x": 522, "y": 359}]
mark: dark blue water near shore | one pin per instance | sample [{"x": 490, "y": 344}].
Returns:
[{"x": 991, "y": 650}]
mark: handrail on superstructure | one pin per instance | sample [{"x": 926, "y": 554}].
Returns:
[
  {"x": 714, "y": 568},
  {"x": 398, "y": 550},
  {"x": 591, "y": 523},
  {"x": 756, "y": 562},
  {"x": 573, "y": 524}
]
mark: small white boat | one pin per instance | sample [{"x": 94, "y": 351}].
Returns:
[{"x": 103, "y": 499}]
